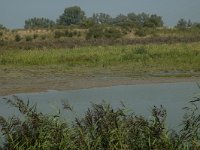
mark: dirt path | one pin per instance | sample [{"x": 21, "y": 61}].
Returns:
[{"x": 22, "y": 84}]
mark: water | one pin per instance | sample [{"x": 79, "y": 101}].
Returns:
[{"x": 138, "y": 99}]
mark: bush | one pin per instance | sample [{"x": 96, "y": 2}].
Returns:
[
  {"x": 17, "y": 38},
  {"x": 43, "y": 37},
  {"x": 141, "y": 32},
  {"x": 95, "y": 32},
  {"x": 1, "y": 33},
  {"x": 29, "y": 38},
  {"x": 35, "y": 36},
  {"x": 99, "y": 32},
  {"x": 58, "y": 34},
  {"x": 112, "y": 33}
]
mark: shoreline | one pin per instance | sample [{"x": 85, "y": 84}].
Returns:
[{"x": 32, "y": 85}]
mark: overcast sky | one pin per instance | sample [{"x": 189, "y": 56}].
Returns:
[{"x": 14, "y": 12}]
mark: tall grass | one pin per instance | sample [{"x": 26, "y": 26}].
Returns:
[
  {"x": 102, "y": 127},
  {"x": 138, "y": 58}
]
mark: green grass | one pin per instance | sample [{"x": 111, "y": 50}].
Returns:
[
  {"x": 102, "y": 127},
  {"x": 137, "y": 59}
]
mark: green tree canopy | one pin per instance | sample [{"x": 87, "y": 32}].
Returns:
[
  {"x": 102, "y": 18},
  {"x": 182, "y": 23},
  {"x": 2, "y": 27},
  {"x": 38, "y": 23},
  {"x": 71, "y": 15},
  {"x": 153, "y": 21}
]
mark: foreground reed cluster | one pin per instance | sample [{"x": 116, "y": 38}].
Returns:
[{"x": 102, "y": 127}]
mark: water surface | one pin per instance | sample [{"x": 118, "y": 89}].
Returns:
[{"x": 138, "y": 99}]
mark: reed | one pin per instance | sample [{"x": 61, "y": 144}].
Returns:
[{"x": 102, "y": 127}]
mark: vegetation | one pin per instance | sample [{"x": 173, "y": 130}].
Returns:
[
  {"x": 148, "y": 59},
  {"x": 71, "y": 15},
  {"x": 102, "y": 127},
  {"x": 2, "y": 27},
  {"x": 100, "y": 32},
  {"x": 38, "y": 23}
]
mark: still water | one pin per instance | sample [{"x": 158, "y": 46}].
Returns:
[{"x": 138, "y": 99}]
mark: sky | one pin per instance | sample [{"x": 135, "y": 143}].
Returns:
[{"x": 13, "y": 13}]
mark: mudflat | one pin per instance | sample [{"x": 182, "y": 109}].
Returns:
[{"x": 22, "y": 81}]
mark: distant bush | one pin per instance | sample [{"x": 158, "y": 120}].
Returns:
[
  {"x": 43, "y": 37},
  {"x": 35, "y": 36},
  {"x": 98, "y": 31},
  {"x": 29, "y": 38},
  {"x": 58, "y": 34},
  {"x": 2, "y": 27},
  {"x": 1, "y": 33},
  {"x": 17, "y": 38},
  {"x": 95, "y": 32},
  {"x": 141, "y": 32}
]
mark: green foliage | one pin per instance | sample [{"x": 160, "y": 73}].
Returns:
[
  {"x": 29, "y": 38},
  {"x": 183, "y": 24},
  {"x": 58, "y": 34},
  {"x": 1, "y": 33},
  {"x": 102, "y": 127},
  {"x": 153, "y": 21},
  {"x": 66, "y": 33},
  {"x": 38, "y": 23},
  {"x": 136, "y": 59},
  {"x": 141, "y": 32},
  {"x": 88, "y": 22},
  {"x": 35, "y": 36},
  {"x": 101, "y": 32},
  {"x": 101, "y": 18},
  {"x": 72, "y": 15},
  {"x": 17, "y": 38},
  {"x": 2, "y": 27}
]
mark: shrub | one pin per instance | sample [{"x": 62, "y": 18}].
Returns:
[
  {"x": 141, "y": 32},
  {"x": 35, "y": 36},
  {"x": 112, "y": 33},
  {"x": 1, "y": 33},
  {"x": 17, "y": 38},
  {"x": 98, "y": 31},
  {"x": 95, "y": 32},
  {"x": 43, "y": 37},
  {"x": 29, "y": 38},
  {"x": 58, "y": 34}
]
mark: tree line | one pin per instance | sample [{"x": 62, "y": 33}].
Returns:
[{"x": 76, "y": 16}]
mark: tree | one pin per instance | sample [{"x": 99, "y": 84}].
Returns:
[
  {"x": 101, "y": 18},
  {"x": 133, "y": 18},
  {"x": 142, "y": 19},
  {"x": 196, "y": 25},
  {"x": 182, "y": 23},
  {"x": 2, "y": 27},
  {"x": 71, "y": 15},
  {"x": 189, "y": 23},
  {"x": 121, "y": 20},
  {"x": 38, "y": 23},
  {"x": 153, "y": 21}
]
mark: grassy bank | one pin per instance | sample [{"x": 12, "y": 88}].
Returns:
[
  {"x": 102, "y": 127},
  {"x": 158, "y": 59}
]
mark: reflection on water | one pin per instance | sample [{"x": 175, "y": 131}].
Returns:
[{"x": 138, "y": 98}]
